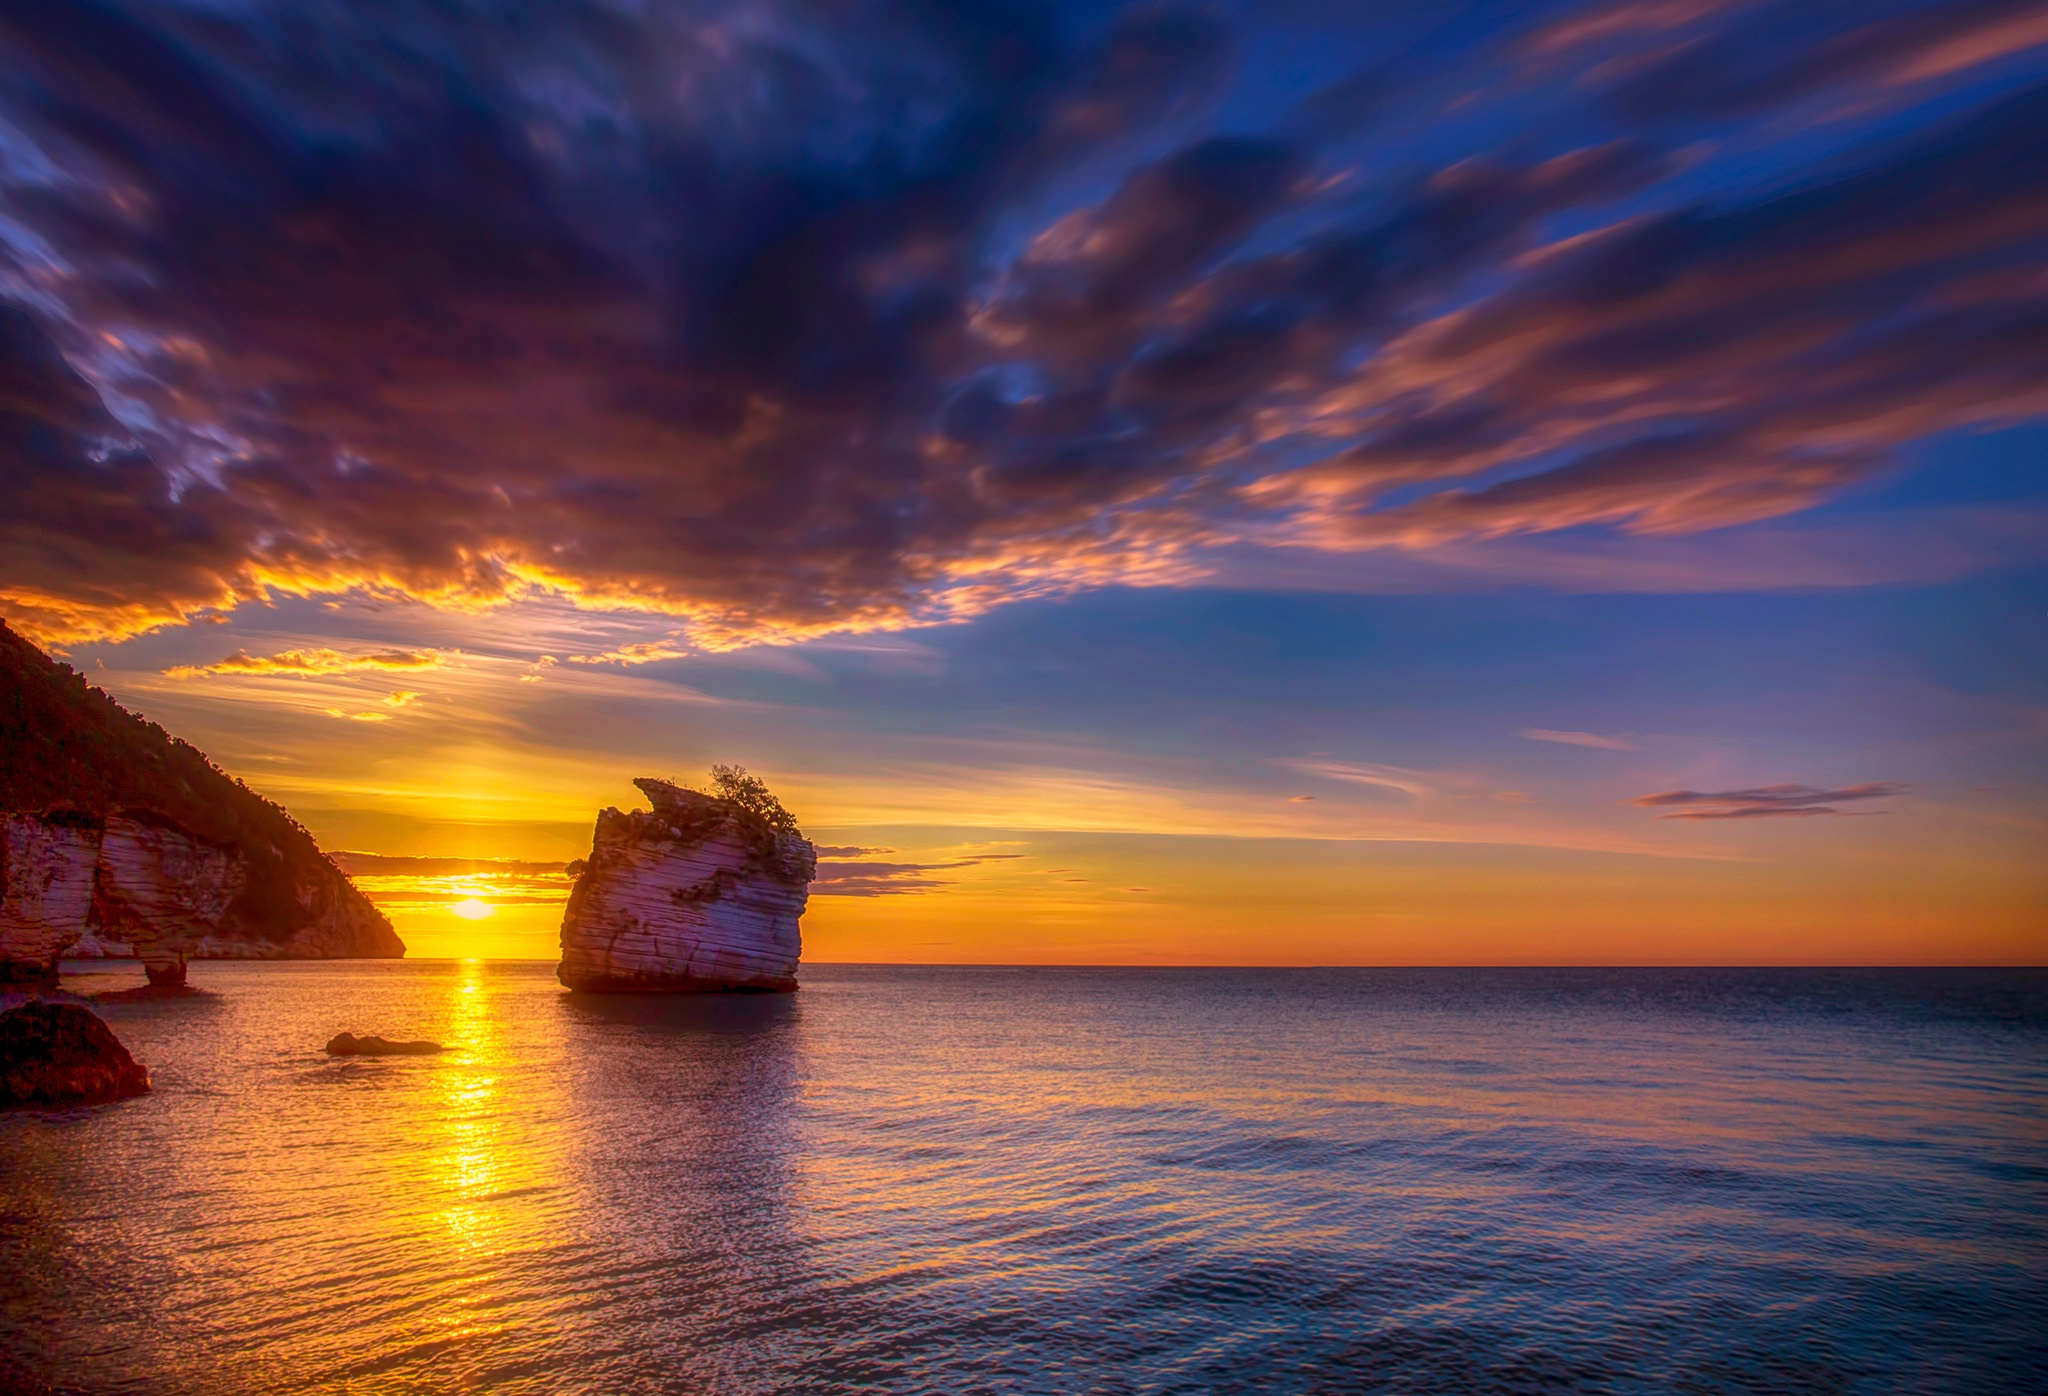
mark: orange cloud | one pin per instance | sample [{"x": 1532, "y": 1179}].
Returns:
[
  {"x": 645, "y": 652},
  {"x": 309, "y": 662}
]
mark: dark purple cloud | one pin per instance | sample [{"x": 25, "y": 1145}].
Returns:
[
  {"x": 837, "y": 879},
  {"x": 784, "y": 320},
  {"x": 1765, "y": 801}
]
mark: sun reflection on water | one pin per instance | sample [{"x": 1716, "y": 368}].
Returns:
[{"x": 473, "y": 1166}]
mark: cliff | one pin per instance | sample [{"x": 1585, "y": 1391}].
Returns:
[
  {"x": 700, "y": 895},
  {"x": 157, "y": 815},
  {"x": 135, "y": 880}
]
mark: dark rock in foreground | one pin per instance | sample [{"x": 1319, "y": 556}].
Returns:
[
  {"x": 58, "y": 1054},
  {"x": 347, "y": 1044}
]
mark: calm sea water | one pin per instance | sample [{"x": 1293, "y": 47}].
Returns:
[{"x": 1114, "y": 1181}]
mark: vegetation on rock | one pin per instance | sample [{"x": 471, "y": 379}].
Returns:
[{"x": 751, "y": 794}]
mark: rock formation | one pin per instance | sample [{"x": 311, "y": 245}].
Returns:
[
  {"x": 136, "y": 880},
  {"x": 163, "y": 890},
  {"x": 58, "y": 1054},
  {"x": 701, "y": 895},
  {"x": 48, "y": 867},
  {"x": 347, "y": 1044},
  {"x": 65, "y": 745}
]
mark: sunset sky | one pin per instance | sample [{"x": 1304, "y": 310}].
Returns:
[{"x": 1286, "y": 482}]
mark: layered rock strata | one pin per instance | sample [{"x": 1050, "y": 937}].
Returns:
[
  {"x": 136, "y": 882},
  {"x": 699, "y": 895},
  {"x": 48, "y": 867}
]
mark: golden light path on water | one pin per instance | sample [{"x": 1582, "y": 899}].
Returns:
[
  {"x": 909, "y": 1179},
  {"x": 472, "y": 1166}
]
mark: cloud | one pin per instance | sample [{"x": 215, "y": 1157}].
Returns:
[
  {"x": 645, "y": 652},
  {"x": 1398, "y": 778},
  {"x": 400, "y": 865},
  {"x": 785, "y": 326},
  {"x": 308, "y": 662},
  {"x": 1766, "y": 801},
  {"x": 397, "y": 878},
  {"x": 838, "y": 879},
  {"x": 1593, "y": 739},
  {"x": 1716, "y": 71}
]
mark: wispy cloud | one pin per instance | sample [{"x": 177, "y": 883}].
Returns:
[
  {"x": 1765, "y": 801},
  {"x": 394, "y": 881},
  {"x": 838, "y": 879},
  {"x": 401, "y": 865},
  {"x": 644, "y": 652},
  {"x": 311, "y": 662},
  {"x": 1593, "y": 739},
  {"x": 1399, "y": 778}
]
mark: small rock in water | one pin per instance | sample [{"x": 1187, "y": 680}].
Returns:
[
  {"x": 58, "y": 1054},
  {"x": 347, "y": 1044}
]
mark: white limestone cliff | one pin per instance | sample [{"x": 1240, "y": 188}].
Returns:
[
  {"x": 700, "y": 895},
  {"x": 163, "y": 890},
  {"x": 133, "y": 882},
  {"x": 48, "y": 866}
]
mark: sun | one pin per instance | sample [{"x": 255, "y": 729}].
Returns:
[{"x": 473, "y": 910}]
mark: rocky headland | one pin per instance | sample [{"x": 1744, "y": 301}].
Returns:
[
  {"x": 702, "y": 894},
  {"x": 118, "y": 839}
]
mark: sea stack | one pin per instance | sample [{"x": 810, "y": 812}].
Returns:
[{"x": 700, "y": 895}]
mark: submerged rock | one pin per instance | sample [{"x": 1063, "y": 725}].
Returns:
[
  {"x": 347, "y": 1044},
  {"x": 701, "y": 895},
  {"x": 58, "y": 1054}
]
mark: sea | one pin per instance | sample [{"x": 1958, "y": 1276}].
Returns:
[{"x": 966, "y": 1180}]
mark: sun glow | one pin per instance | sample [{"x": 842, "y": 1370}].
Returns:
[{"x": 473, "y": 910}]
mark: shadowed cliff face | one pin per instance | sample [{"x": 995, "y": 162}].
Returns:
[
  {"x": 65, "y": 745},
  {"x": 700, "y": 895}
]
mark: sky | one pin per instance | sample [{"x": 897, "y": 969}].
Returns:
[{"x": 1259, "y": 483}]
